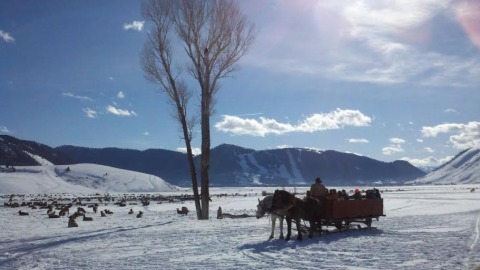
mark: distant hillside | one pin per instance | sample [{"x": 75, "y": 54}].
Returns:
[
  {"x": 232, "y": 165},
  {"x": 17, "y": 152},
  {"x": 80, "y": 178},
  {"x": 169, "y": 165},
  {"x": 300, "y": 166},
  {"x": 464, "y": 168}
]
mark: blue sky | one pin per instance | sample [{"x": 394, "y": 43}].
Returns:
[{"x": 385, "y": 79}]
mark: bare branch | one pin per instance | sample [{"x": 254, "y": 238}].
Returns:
[{"x": 214, "y": 35}]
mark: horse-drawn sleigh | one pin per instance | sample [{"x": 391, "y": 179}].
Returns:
[{"x": 325, "y": 212}]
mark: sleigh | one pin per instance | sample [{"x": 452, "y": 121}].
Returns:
[
  {"x": 345, "y": 215},
  {"x": 342, "y": 213},
  {"x": 311, "y": 214}
]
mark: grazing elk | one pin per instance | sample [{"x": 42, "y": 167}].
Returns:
[
  {"x": 81, "y": 211},
  {"x": 64, "y": 210},
  {"x": 131, "y": 211},
  {"x": 183, "y": 211},
  {"x": 85, "y": 218},
  {"x": 23, "y": 213},
  {"x": 140, "y": 214},
  {"x": 53, "y": 215},
  {"x": 102, "y": 214},
  {"x": 72, "y": 222},
  {"x": 50, "y": 210}
]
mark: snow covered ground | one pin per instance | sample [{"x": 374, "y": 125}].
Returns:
[{"x": 426, "y": 227}]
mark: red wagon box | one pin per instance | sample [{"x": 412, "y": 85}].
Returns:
[{"x": 351, "y": 209}]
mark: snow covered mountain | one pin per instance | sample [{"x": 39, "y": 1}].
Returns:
[
  {"x": 300, "y": 166},
  {"x": 18, "y": 152},
  {"x": 80, "y": 178},
  {"x": 464, "y": 168},
  {"x": 230, "y": 165}
]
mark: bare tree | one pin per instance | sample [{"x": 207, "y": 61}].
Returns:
[{"x": 214, "y": 35}]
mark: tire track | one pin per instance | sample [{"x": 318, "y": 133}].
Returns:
[{"x": 477, "y": 234}]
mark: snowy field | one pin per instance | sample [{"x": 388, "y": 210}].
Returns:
[{"x": 426, "y": 227}]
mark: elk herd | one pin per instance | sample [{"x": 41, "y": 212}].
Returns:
[{"x": 57, "y": 207}]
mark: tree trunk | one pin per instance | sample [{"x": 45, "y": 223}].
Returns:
[
  {"x": 205, "y": 157},
  {"x": 193, "y": 173}
]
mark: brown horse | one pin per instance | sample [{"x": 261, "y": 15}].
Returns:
[{"x": 309, "y": 209}]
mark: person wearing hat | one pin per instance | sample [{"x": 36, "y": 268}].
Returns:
[{"x": 318, "y": 190}]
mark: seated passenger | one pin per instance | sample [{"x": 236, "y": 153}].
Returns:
[
  {"x": 369, "y": 194},
  {"x": 333, "y": 194},
  {"x": 318, "y": 190},
  {"x": 345, "y": 195},
  {"x": 377, "y": 193},
  {"x": 340, "y": 196},
  {"x": 357, "y": 195}
]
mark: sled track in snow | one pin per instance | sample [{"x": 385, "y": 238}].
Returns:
[{"x": 477, "y": 233}]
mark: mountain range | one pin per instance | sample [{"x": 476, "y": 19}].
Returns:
[
  {"x": 230, "y": 165},
  {"x": 464, "y": 168}
]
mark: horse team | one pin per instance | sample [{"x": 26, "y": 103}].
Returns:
[{"x": 317, "y": 212}]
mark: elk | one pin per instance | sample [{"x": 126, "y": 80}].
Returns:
[
  {"x": 53, "y": 215},
  {"x": 23, "y": 213}
]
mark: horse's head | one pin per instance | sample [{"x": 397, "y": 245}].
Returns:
[{"x": 261, "y": 209}]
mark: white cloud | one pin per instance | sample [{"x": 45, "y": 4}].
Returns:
[
  {"x": 358, "y": 141},
  {"x": 283, "y": 146},
  {"x": 450, "y": 110},
  {"x": 6, "y": 37},
  {"x": 76, "y": 97},
  {"x": 120, "y": 95},
  {"x": 381, "y": 42},
  {"x": 135, "y": 25},
  {"x": 465, "y": 135},
  {"x": 195, "y": 151},
  {"x": 120, "y": 112},
  {"x": 4, "y": 129},
  {"x": 392, "y": 149},
  {"x": 90, "y": 113},
  {"x": 396, "y": 141},
  {"x": 146, "y": 133},
  {"x": 253, "y": 127},
  {"x": 317, "y": 122},
  {"x": 428, "y": 161},
  {"x": 429, "y": 149},
  {"x": 387, "y": 17}
]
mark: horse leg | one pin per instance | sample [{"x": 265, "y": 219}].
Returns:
[
  {"x": 312, "y": 228},
  {"x": 272, "y": 218},
  {"x": 289, "y": 228},
  {"x": 281, "y": 227},
  {"x": 299, "y": 237}
]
